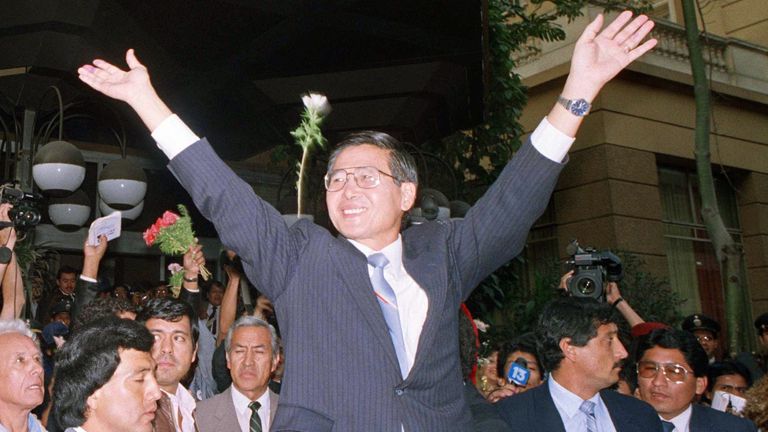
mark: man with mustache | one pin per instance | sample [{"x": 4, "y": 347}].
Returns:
[
  {"x": 174, "y": 325},
  {"x": 578, "y": 343},
  {"x": 21, "y": 377},
  {"x": 105, "y": 380}
]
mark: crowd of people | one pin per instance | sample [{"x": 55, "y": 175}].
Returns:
[{"x": 368, "y": 319}]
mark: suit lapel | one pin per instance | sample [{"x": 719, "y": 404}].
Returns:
[
  {"x": 697, "y": 422},
  {"x": 273, "y": 401},
  {"x": 225, "y": 411},
  {"x": 546, "y": 411},
  {"x": 352, "y": 267},
  {"x": 428, "y": 269}
]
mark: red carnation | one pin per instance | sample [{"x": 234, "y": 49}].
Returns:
[{"x": 169, "y": 218}]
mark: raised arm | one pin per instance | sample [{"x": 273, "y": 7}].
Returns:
[
  {"x": 598, "y": 56},
  {"x": 87, "y": 285},
  {"x": 13, "y": 287},
  {"x": 229, "y": 302}
]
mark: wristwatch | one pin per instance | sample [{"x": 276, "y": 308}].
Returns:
[
  {"x": 5, "y": 255},
  {"x": 577, "y": 107}
]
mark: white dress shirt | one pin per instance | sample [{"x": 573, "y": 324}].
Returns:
[
  {"x": 568, "y": 403},
  {"x": 412, "y": 302},
  {"x": 241, "y": 403},
  {"x": 682, "y": 421},
  {"x": 183, "y": 403}
]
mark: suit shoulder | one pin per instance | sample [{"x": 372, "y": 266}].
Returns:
[
  {"x": 720, "y": 420},
  {"x": 629, "y": 407},
  {"x": 211, "y": 403}
]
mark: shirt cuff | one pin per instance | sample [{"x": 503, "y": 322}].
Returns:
[
  {"x": 88, "y": 279},
  {"x": 173, "y": 136},
  {"x": 550, "y": 142}
]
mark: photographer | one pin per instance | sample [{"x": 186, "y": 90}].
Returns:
[
  {"x": 12, "y": 285},
  {"x": 612, "y": 297}
]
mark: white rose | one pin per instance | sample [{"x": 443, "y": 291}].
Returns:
[{"x": 317, "y": 102}]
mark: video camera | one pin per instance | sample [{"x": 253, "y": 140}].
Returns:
[
  {"x": 25, "y": 213},
  {"x": 592, "y": 269}
]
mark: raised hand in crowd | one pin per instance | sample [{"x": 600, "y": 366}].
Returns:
[
  {"x": 193, "y": 260},
  {"x": 12, "y": 284},
  {"x": 229, "y": 302}
]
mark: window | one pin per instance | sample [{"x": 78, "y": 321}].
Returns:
[{"x": 694, "y": 271}]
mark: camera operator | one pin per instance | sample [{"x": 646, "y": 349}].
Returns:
[
  {"x": 612, "y": 297},
  {"x": 12, "y": 285}
]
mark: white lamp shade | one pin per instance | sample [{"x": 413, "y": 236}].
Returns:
[
  {"x": 68, "y": 216},
  {"x": 130, "y": 214},
  {"x": 58, "y": 168},
  {"x": 122, "y": 194},
  {"x": 58, "y": 179}
]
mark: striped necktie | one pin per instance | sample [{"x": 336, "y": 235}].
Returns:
[
  {"x": 255, "y": 424},
  {"x": 388, "y": 303},
  {"x": 588, "y": 408}
]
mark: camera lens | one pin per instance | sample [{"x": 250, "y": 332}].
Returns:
[{"x": 586, "y": 286}]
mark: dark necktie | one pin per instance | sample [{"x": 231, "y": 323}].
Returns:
[
  {"x": 588, "y": 408},
  {"x": 667, "y": 426},
  {"x": 212, "y": 320},
  {"x": 388, "y": 303},
  {"x": 164, "y": 416},
  {"x": 255, "y": 424}
]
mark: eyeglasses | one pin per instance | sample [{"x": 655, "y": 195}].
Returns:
[
  {"x": 673, "y": 372},
  {"x": 365, "y": 177},
  {"x": 704, "y": 338}
]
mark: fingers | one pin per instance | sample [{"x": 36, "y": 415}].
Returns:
[
  {"x": 131, "y": 60},
  {"x": 590, "y": 32},
  {"x": 628, "y": 35},
  {"x": 642, "y": 49},
  {"x": 615, "y": 26}
]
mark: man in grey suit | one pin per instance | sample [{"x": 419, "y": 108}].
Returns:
[
  {"x": 369, "y": 318},
  {"x": 247, "y": 405}
]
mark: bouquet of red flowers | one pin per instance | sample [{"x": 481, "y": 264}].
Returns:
[{"x": 174, "y": 235}]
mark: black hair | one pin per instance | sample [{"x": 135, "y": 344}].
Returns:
[
  {"x": 401, "y": 163},
  {"x": 524, "y": 343},
  {"x": 467, "y": 345},
  {"x": 100, "y": 308},
  {"x": 727, "y": 367},
  {"x": 577, "y": 318},
  {"x": 169, "y": 309},
  {"x": 66, "y": 269},
  {"x": 680, "y": 340},
  {"x": 88, "y": 360}
]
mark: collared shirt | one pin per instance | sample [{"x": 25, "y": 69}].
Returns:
[
  {"x": 412, "y": 302},
  {"x": 683, "y": 420},
  {"x": 183, "y": 405},
  {"x": 33, "y": 424},
  {"x": 241, "y": 403},
  {"x": 568, "y": 403}
]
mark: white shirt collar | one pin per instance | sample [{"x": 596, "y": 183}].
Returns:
[
  {"x": 393, "y": 252},
  {"x": 682, "y": 421},
  {"x": 183, "y": 401},
  {"x": 567, "y": 401},
  {"x": 241, "y": 403}
]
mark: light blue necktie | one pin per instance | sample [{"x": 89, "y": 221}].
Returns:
[
  {"x": 388, "y": 303},
  {"x": 588, "y": 408}
]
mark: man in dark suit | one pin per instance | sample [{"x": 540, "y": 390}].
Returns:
[
  {"x": 671, "y": 371},
  {"x": 578, "y": 343},
  {"x": 369, "y": 318},
  {"x": 248, "y": 404}
]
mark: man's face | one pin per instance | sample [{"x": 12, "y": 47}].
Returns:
[
  {"x": 128, "y": 401},
  {"x": 21, "y": 372},
  {"x": 250, "y": 360},
  {"x": 66, "y": 283},
  {"x": 764, "y": 339},
  {"x": 599, "y": 361},
  {"x": 734, "y": 384},
  {"x": 173, "y": 350},
  {"x": 370, "y": 216},
  {"x": 668, "y": 398},
  {"x": 708, "y": 341},
  {"x": 216, "y": 295}
]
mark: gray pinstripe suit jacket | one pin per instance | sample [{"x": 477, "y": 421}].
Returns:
[{"x": 341, "y": 371}]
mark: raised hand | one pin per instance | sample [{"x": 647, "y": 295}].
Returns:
[
  {"x": 7, "y": 235},
  {"x": 599, "y": 55},
  {"x": 193, "y": 260},
  {"x": 131, "y": 86}
]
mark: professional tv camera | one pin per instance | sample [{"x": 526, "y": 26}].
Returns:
[
  {"x": 25, "y": 213},
  {"x": 592, "y": 270}
]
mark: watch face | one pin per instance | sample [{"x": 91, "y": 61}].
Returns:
[{"x": 580, "y": 107}]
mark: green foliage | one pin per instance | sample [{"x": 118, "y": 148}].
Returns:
[{"x": 650, "y": 296}]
